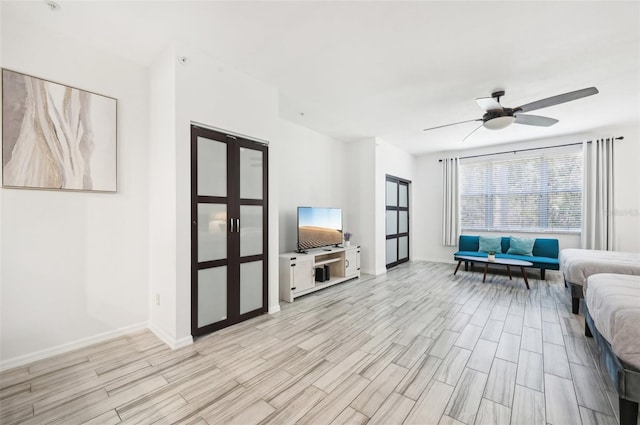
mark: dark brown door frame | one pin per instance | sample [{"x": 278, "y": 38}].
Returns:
[
  {"x": 400, "y": 182},
  {"x": 233, "y": 201}
]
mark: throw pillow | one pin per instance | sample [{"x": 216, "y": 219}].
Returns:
[
  {"x": 488, "y": 243},
  {"x": 521, "y": 246}
]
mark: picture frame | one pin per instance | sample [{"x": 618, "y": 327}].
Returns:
[{"x": 57, "y": 137}]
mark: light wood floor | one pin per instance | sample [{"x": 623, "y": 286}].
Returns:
[{"x": 415, "y": 346}]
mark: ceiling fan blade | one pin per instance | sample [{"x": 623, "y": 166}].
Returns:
[
  {"x": 535, "y": 120},
  {"x": 488, "y": 104},
  {"x": 555, "y": 100},
  {"x": 447, "y": 125},
  {"x": 477, "y": 128}
]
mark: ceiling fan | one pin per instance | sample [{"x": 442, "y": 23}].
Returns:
[{"x": 497, "y": 117}]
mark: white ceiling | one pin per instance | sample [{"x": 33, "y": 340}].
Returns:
[{"x": 391, "y": 69}]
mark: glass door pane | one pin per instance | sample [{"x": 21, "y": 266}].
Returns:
[
  {"x": 212, "y": 295},
  {"x": 404, "y": 195},
  {"x": 403, "y": 225},
  {"x": 212, "y": 232},
  {"x": 250, "y": 173},
  {"x": 250, "y": 230},
  {"x": 403, "y": 247},
  {"x": 212, "y": 167},
  {"x": 392, "y": 222},
  {"x": 392, "y": 250},
  {"x": 250, "y": 286},
  {"x": 392, "y": 194}
]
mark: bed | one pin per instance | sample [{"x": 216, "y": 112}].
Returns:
[
  {"x": 578, "y": 264},
  {"x": 612, "y": 314}
]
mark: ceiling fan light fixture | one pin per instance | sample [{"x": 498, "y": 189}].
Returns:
[{"x": 499, "y": 123}]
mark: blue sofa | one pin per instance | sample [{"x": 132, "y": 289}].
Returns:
[{"x": 545, "y": 252}]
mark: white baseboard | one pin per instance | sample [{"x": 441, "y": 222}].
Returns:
[
  {"x": 173, "y": 343},
  {"x": 70, "y": 346},
  {"x": 274, "y": 308}
]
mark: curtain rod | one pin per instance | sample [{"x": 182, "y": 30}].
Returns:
[{"x": 529, "y": 149}]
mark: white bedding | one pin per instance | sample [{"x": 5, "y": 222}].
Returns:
[
  {"x": 613, "y": 301},
  {"x": 578, "y": 264}
]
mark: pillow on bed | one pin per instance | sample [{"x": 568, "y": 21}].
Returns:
[
  {"x": 488, "y": 243},
  {"x": 521, "y": 246}
]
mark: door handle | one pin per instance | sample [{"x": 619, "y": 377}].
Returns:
[
  {"x": 347, "y": 263},
  {"x": 237, "y": 225},
  {"x": 230, "y": 225}
]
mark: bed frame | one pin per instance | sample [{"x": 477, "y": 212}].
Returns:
[{"x": 625, "y": 378}]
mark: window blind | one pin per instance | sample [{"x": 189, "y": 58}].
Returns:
[{"x": 540, "y": 192}]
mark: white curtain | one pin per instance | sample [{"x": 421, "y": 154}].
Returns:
[
  {"x": 598, "y": 195},
  {"x": 450, "y": 207}
]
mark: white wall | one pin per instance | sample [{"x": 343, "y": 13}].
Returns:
[
  {"x": 75, "y": 265},
  {"x": 311, "y": 171},
  {"x": 398, "y": 163},
  {"x": 162, "y": 198},
  {"x": 428, "y": 204}
]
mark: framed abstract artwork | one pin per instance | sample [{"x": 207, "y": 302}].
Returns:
[{"x": 57, "y": 137}]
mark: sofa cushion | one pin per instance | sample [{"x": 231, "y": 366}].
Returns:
[
  {"x": 488, "y": 244},
  {"x": 521, "y": 246}
]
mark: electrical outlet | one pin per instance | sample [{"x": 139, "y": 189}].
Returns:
[{"x": 157, "y": 299}]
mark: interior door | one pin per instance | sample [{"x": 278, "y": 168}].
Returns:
[
  {"x": 397, "y": 221},
  {"x": 229, "y": 229}
]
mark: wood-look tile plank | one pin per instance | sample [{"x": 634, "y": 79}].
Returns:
[
  {"x": 290, "y": 389},
  {"x": 465, "y": 400},
  {"x": 448, "y": 420},
  {"x": 552, "y": 333},
  {"x": 414, "y": 351},
  {"x": 443, "y": 343},
  {"x": 577, "y": 351},
  {"x": 482, "y": 356},
  {"x": 254, "y": 414},
  {"x": 491, "y": 413},
  {"x": 508, "y": 347},
  {"x": 393, "y": 411},
  {"x": 589, "y": 390},
  {"x": 531, "y": 339},
  {"x": 452, "y": 366},
  {"x": 533, "y": 316},
  {"x": 158, "y": 410},
  {"x": 335, "y": 402},
  {"x": 530, "y": 370},
  {"x": 351, "y": 364},
  {"x": 501, "y": 382},
  {"x": 370, "y": 400},
  {"x": 555, "y": 360},
  {"x": 591, "y": 417},
  {"x": 528, "y": 407},
  {"x": 297, "y": 407},
  {"x": 431, "y": 405},
  {"x": 480, "y": 317},
  {"x": 513, "y": 324},
  {"x": 419, "y": 377},
  {"x": 469, "y": 336},
  {"x": 492, "y": 330},
  {"x": 560, "y": 401},
  {"x": 350, "y": 416},
  {"x": 109, "y": 417},
  {"x": 379, "y": 361}
]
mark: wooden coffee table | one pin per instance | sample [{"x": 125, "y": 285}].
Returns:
[{"x": 502, "y": 261}]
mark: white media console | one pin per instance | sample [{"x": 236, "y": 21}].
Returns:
[{"x": 298, "y": 270}]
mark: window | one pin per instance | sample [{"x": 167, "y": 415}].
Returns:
[{"x": 529, "y": 193}]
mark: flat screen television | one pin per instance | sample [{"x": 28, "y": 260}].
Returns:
[{"x": 318, "y": 227}]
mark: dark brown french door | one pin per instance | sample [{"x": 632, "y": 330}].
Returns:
[
  {"x": 397, "y": 220},
  {"x": 228, "y": 229}
]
